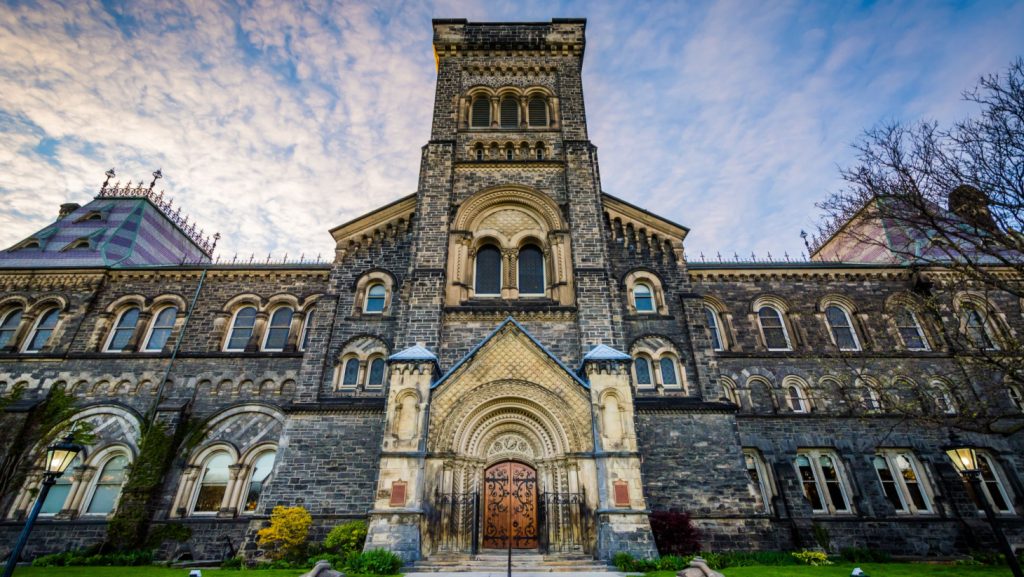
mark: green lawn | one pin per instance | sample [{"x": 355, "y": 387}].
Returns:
[
  {"x": 146, "y": 571},
  {"x": 872, "y": 569}
]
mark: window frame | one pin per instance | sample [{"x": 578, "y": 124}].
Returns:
[
  {"x": 153, "y": 326},
  {"x": 715, "y": 327},
  {"x": 344, "y": 370},
  {"x": 782, "y": 326},
  {"x": 985, "y": 325},
  {"x": 543, "y": 271},
  {"x": 998, "y": 477},
  {"x": 197, "y": 489},
  {"x": 802, "y": 400},
  {"x": 764, "y": 482},
  {"x": 270, "y": 328},
  {"x": 256, "y": 455},
  {"x": 529, "y": 111},
  {"x": 653, "y": 310},
  {"x": 912, "y": 314},
  {"x": 77, "y": 462},
  {"x": 303, "y": 342},
  {"x": 1016, "y": 397},
  {"x": 232, "y": 327},
  {"x": 832, "y": 329},
  {"x": 26, "y": 346},
  {"x": 370, "y": 361},
  {"x": 472, "y": 116},
  {"x": 514, "y": 100},
  {"x": 476, "y": 271},
  {"x": 4, "y": 319},
  {"x": 889, "y": 457},
  {"x": 676, "y": 370},
  {"x": 94, "y": 483},
  {"x": 650, "y": 372},
  {"x": 114, "y": 328},
  {"x": 813, "y": 457}
]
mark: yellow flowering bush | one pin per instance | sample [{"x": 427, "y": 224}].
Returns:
[{"x": 287, "y": 534}]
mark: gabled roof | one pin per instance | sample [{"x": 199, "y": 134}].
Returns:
[
  {"x": 508, "y": 321},
  {"x": 605, "y": 353},
  {"x": 659, "y": 224}
]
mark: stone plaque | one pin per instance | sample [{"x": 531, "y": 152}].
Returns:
[
  {"x": 621, "y": 494},
  {"x": 397, "y": 494}
]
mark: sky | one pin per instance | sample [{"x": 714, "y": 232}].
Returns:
[{"x": 275, "y": 121}]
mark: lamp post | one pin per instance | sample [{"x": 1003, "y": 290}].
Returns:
[
  {"x": 965, "y": 459},
  {"x": 59, "y": 457}
]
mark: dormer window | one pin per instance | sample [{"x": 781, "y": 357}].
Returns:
[
  {"x": 91, "y": 215},
  {"x": 77, "y": 244}
]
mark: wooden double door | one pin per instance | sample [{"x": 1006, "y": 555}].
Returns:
[{"x": 510, "y": 506}]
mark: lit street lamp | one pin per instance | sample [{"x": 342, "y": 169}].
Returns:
[
  {"x": 59, "y": 457},
  {"x": 965, "y": 459}
]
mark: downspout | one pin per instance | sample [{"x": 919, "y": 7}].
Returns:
[{"x": 177, "y": 346}]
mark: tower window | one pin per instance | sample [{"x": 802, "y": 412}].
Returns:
[
  {"x": 478, "y": 152},
  {"x": 540, "y": 152},
  {"x": 376, "y": 296},
  {"x": 537, "y": 109},
  {"x": 488, "y": 271},
  {"x": 531, "y": 271},
  {"x": 481, "y": 113},
  {"x": 643, "y": 298},
  {"x": 714, "y": 330},
  {"x": 509, "y": 113},
  {"x": 510, "y": 152}
]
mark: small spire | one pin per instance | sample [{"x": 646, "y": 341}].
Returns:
[
  {"x": 110, "y": 174},
  {"x": 156, "y": 176},
  {"x": 803, "y": 235}
]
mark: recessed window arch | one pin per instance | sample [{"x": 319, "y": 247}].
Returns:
[
  {"x": 213, "y": 483},
  {"x": 160, "y": 329},
  {"x": 363, "y": 364},
  {"x": 537, "y": 109},
  {"x": 375, "y": 377},
  {"x": 841, "y": 328},
  {"x": 795, "y": 391},
  {"x": 480, "y": 115},
  {"x": 669, "y": 374},
  {"x": 61, "y": 490},
  {"x": 488, "y": 271},
  {"x": 531, "y": 271},
  {"x": 902, "y": 480},
  {"x": 977, "y": 326},
  {"x": 276, "y": 337},
  {"x": 823, "y": 481},
  {"x": 729, "y": 391},
  {"x": 942, "y": 399},
  {"x": 242, "y": 325},
  {"x": 123, "y": 330},
  {"x": 908, "y": 326},
  {"x": 260, "y": 475},
  {"x": 10, "y": 321},
  {"x": 42, "y": 330},
  {"x": 509, "y": 112},
  {"x": 540, "y": 152},
  {"x": 643, "y": 298},
  {"x": 715, "y": 328},
  {"x": 350, "y": 372},
  {"x": 478, "y": 151},
  {"x": 773, "y": 328},
  {"x": 642, "y": 371},
  {"x": 107, "y": 484}
]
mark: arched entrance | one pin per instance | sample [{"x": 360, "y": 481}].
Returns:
[{"x": 510, "y": 506}]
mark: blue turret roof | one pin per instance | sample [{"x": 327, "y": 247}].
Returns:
[
  {"x": 605, "y": 353},
  {"x": 414, "y": 353}
]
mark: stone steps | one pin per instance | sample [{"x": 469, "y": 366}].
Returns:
[{"x": 496, "y": 562}]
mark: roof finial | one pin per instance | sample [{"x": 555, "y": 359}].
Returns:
[
  {"x": 156, "y": 176},
  {"x": 803, "y": 235},
  {"x": 110, "y": 174}
]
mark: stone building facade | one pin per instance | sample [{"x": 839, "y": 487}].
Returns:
[{"x": 509, "y": 355}]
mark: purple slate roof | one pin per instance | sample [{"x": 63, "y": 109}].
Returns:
[{"x": 112, "y": 232}]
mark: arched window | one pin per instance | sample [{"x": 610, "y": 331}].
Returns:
[
  {"x": 910, "y": 330},
  {"x": 213, "y": 484},
  {"x": 509, "y": 112},
  {"x": 277, "y": 332},
  {"x": 376, "y": 297},
  {"x": 43, "y": 330},
  {"x": 541, "y": 154},
  {"x": 108, "y": 486},
  {"x": 796, "y": 399},
  {"x": 977, "y": 328},
  {"x": 59, "y": 492},
  {"x": 668, "y": 371},
  {"x": 510, "y": 152},
  {"x": 123, "y": 331},
  {"x": 943, "y": 399},
  {"x": 773, "y": 329},
  {"x": 304, "y": 340},
  {"x": 161, "y": 329},
  {"x": 900, "y": 477},
  {"x": 823, "y": 486},
  {"x": 841, "y": 326},
  {"x": 643, "y": 298},
  {"x": 488, "y": 271},
  {"x": 992, "y": 485},
  {"x": 759, "y": 477},
  {"x": 9, "y": 327},
  {"x": 241, "y": 329},
  {"x": 376, "y": 378},
  {"x": 537, "y": 109},
  {"x": 729, "y": 389},
  {"x": 261, "y": 470},
  {"x": 714, "y": 328},
  {"x": 350, "y": 376},
  {"x": 478, "y": 152},
  {"x": 642, "y": 366},
  {"x": 481, "y": 113},
  {"x": 531, "y": 270}
]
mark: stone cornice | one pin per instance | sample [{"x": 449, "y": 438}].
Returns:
[
  {"x": 11, "y": 280},
  {"x": 824, "y": 272},
  {"x": 465, "y": 314},
  {"x": 387, "y": 221}
]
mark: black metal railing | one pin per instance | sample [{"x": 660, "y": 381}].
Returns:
[
  {"x": 564, "y": 523},
  {"x": 456, "y": 522}
]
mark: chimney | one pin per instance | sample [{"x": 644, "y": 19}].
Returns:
[
  {"x": 971, "y": 205},
  {"x": 67, "y": 208}
]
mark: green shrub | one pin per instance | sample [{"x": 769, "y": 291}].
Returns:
[
  {"x": 864, "y": 555},
  {"x": 816, "y": 558},
  {"x": 374, "y": 562},
  {"x": 87, "y": 558},
  {"x": 346, "y": 537},
  {"x": 751, "y": 558},
  {"x": 627, "y": 563},
  {"x": 232, "y": 564},
  {"x": 674, "y": 563}
]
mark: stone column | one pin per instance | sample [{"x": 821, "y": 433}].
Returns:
[
  {"x": 622, "y": 523},
  {"x": 398, "y": 518}
]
